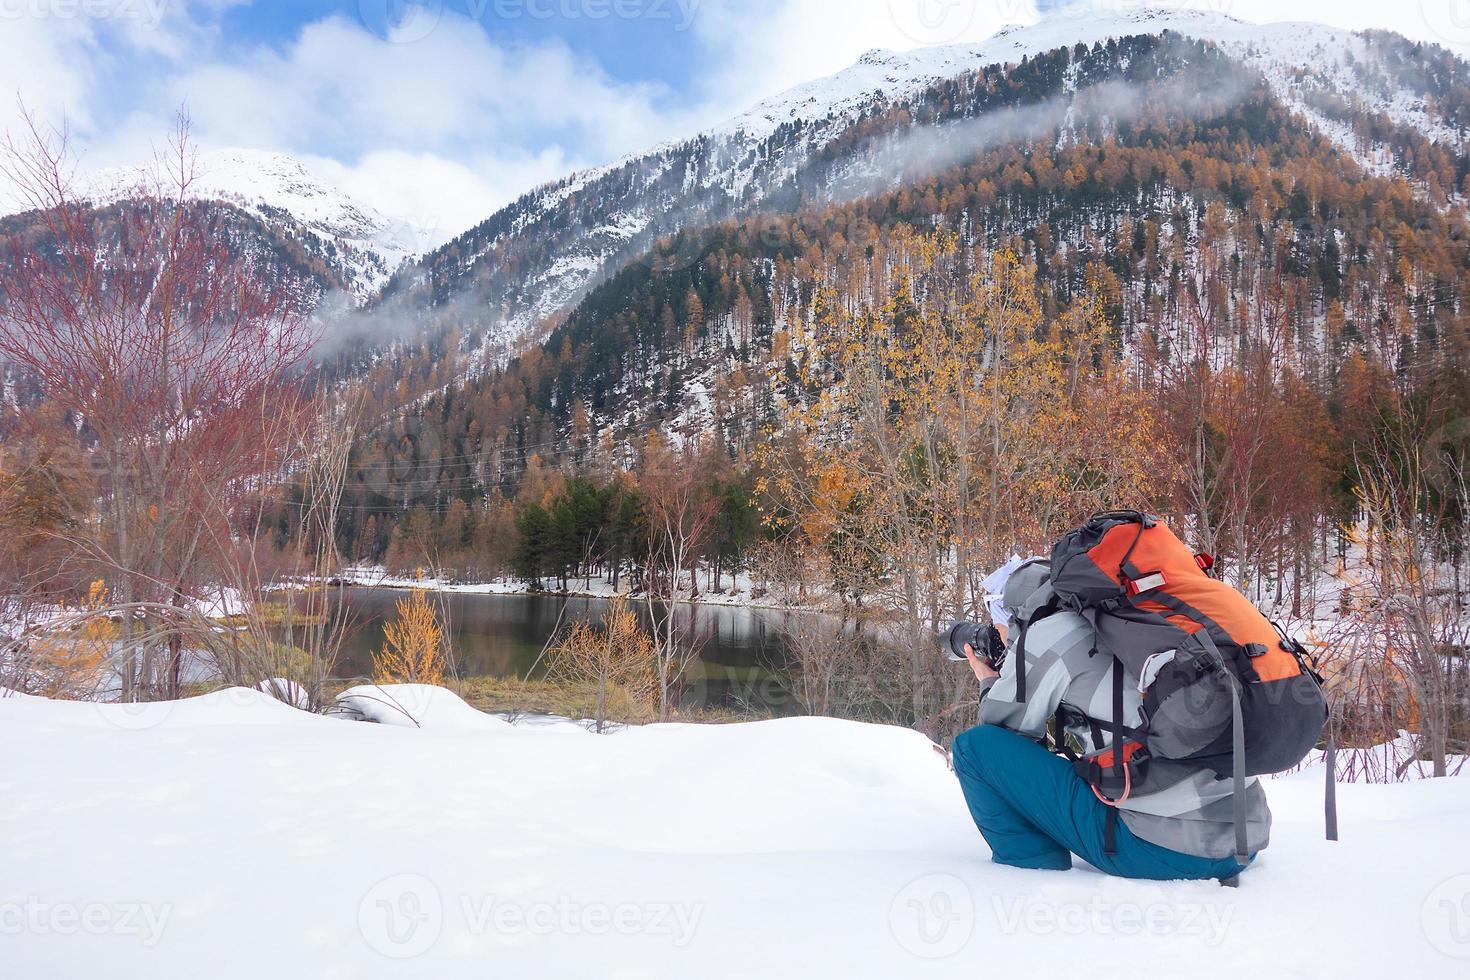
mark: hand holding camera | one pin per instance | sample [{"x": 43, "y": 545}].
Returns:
[{"x": 980, "y": 644}]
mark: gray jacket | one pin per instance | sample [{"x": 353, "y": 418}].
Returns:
[{"x": 1182, "y": 807}]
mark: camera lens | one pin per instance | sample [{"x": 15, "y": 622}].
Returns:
[{"x": 961, "y": 633}]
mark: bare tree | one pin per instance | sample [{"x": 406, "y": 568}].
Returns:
[
  {"x": 681, "y": 515},
  {"x": 294, "y": 644},
  {"x": 165, "y": 344},
  {"x": 1414, "y": 606},
  {"x": 617, "y": 658}
]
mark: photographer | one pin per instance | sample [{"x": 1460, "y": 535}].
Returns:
[{"x": 1033, "y": 807}]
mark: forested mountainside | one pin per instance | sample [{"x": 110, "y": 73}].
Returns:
[
  {"x": 323, "y": 252},
  {"x": 1166, "y": 179},
  {"x": 302, "y": 264},
  {"x": 1395, "y": 106},
  {"x": 348, "y": 245}
]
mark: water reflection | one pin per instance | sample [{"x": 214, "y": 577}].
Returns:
[{"x": 740, "y": 650}]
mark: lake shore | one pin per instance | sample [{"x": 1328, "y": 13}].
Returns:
[{"x": 740, "y": 595}]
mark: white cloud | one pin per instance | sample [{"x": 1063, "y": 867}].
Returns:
[
  {"x": 442, "y": 130},
  {"x": 450, "y": 126},
  {"x": 438, "y": 197}
]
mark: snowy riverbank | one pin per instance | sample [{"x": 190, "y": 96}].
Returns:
[
  {"x": 738, "y": 590},
  {"x": 230, "y": 836}
]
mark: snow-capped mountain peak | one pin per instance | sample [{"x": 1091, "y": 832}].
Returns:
[
  {"x": 275, "y": 180},
  {"x": 361, "y": 243},
  {"x": 896, "y": 75},
  {"x": 542, "y": 252}
]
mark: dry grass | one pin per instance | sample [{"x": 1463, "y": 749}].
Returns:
[{"x": 508, "y": 696}]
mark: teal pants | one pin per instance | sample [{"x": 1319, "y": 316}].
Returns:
[{"x": 1036, "y": 812}]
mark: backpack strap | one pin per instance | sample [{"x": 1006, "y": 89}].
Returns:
[
  {"x": 1110, "y": 827},
  {"x": 1329, "y": 795},
  {"x": 1021, "y": 628},
  {"x": 1237, "y": 754},
  {"x": 1059, "y": 733},
  {"x": 1039, "y": 605}
]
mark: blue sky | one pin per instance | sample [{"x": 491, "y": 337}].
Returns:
[{"x": 439, "y": 111}]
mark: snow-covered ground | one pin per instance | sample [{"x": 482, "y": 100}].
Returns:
[{"x": 232, "y": 836}]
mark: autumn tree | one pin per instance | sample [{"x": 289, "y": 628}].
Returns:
[
  {"x": 616, "y": 657},
  {"x": 951, "y": 427},
  {"x": 413, "y": 644}
]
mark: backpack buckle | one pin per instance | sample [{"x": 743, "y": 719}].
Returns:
[{"x": 1153, "y": 580}]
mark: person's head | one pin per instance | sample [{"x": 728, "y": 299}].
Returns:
[{"x": 1018, "y": 585}]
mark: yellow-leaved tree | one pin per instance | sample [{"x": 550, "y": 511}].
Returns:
[
  {"x": 617, "y": 658},
  {"x": 949, "y": 422},
  {"x": 69, "y": 662},
  {"x": 413, "y": 644}
]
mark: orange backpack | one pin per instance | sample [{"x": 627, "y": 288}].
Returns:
[{"x": 1223, "y": 687}]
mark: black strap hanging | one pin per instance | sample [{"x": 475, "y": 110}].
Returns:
[
  {"x": 1118, "y": 736},
  {"x": 1329, "y": 799},
  {"x": 1237, "y": 751},
  {"x": 1021, "y": 660}
]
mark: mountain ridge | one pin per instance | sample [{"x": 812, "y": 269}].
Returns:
[{"x": 532, "y": 260}]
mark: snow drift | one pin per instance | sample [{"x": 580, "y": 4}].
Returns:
[{"x": 233, "y": 836}]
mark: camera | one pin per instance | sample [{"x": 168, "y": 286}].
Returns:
[{"x": 985, "y": 640}]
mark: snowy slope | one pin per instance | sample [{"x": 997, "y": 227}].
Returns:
[
  {"x": 564, "y": 238},
  {"x": 1292, "y": 54},
  {"x": 361, "y": 244},
  {"x": 231, "y": 836}
]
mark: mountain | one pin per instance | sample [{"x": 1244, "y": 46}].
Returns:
[
  {"x": 357, "y": 247},
  {"x": 1380, "y": 99},
  {"x": 1294, "y": 198}
]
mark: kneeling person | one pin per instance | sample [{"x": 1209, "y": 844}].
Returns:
[{"x": 1035, "y": 809}]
